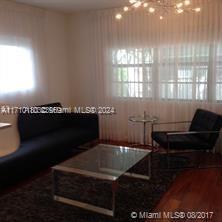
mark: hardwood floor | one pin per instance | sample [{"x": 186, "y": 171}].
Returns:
[
  {"x": 198, "y": 190},
  {"x": 194, "y": 190}
]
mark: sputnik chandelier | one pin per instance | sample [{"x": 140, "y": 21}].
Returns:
[{"x": 160, "y": 7}]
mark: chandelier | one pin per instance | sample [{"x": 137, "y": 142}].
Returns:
[{"x": 162, "y": 8}]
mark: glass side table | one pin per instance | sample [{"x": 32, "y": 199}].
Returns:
[
  {"x": 144, "y": 119},
  {"x": 5, "y": 125}
]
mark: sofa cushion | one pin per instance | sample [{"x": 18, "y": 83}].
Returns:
[
  {"x": 42, "y": 151},
  {"x": 64, "y": 138},
  {"x": 34, "y": 124}
]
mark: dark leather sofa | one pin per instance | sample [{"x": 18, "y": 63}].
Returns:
[{"x": 46, "y": 139}]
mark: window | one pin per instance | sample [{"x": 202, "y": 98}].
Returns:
[
  {"x": 173, "y": 72},
  {"x": 132, "y": 72},
  {"x": 183, "y": 72},
  {"x": 16, "y": 69},
  {"x": 219, "y": 74}
]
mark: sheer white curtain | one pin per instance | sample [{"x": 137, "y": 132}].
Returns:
[
  {"x": 23, "y": 78},
  {"x": 168, "y": 68}
]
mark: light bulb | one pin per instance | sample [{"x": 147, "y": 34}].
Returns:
[
  {"x": 137, "y": 4},
  {"x": 161, "y": 17},
  {"x": 132, "y": 1},
  {"x": 179, "y": 5},
  {"x": 179, "y": 11},
  {"x": 197, "y": 9},
  {"x": 151, "y": 10},
  {"x": 118, "y": 16},
  {"x": 145, "y": 5},
  {"x": 187, "y": 2},
  {"x": 126, "y": 9}
]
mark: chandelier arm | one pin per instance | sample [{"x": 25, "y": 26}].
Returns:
[{"x": 161, "y": 7}]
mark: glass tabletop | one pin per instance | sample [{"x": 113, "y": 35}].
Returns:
[
  {"x": 5, "y": 125},
  {"x": 143, "y": 118},
  {"x": 104, "y": 161}
]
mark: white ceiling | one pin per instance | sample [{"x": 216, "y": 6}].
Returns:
[{"x": 74, "y": 5}]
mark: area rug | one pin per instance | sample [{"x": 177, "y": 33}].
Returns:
[{"x": 34, "y": 203}]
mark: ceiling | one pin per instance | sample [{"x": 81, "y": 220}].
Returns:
[{"x": 74, "y": 5}]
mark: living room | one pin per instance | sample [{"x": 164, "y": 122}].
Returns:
[{"x": 110, "y": 110}]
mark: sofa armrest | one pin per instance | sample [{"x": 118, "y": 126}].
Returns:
[
  {"x": 167, "y": 123},
  {"x": 191, "y": 132}
]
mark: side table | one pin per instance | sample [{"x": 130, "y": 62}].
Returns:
[
  {"x": 5, "y": 125},
  {"x": 144, "y": 119}
]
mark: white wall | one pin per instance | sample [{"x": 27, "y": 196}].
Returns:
[
  {"x": 83, "y": 87},
  {"x": 48, "y": 32},
  {"x": 56, "y": 67},
  {"x": 57, "y": 57}
]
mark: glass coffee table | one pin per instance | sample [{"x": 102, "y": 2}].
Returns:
[{"x": 101, "y": 163}]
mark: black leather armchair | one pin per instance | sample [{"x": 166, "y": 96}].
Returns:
[{"x": 202, "y": 135}]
